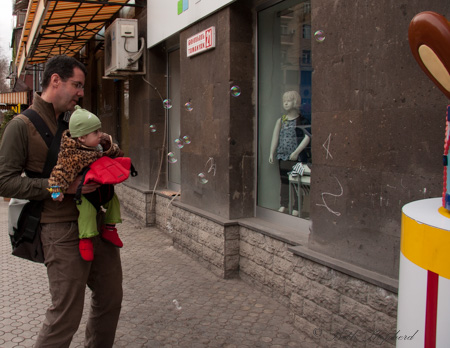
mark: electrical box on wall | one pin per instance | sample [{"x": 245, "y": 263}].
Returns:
[{"x": 121, "y": 44}]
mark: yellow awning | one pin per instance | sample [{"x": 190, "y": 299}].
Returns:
[
  {"x": 55, "y": 27},
  {"x": 14, "y": 98}
]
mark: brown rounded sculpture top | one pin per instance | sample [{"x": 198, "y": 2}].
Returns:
[{"x": 429, "y": 39}]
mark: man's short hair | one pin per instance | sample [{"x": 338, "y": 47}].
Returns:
[{"x": 63, "y": 66}]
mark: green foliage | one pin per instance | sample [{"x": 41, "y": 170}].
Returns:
[
  {"x": 7, "y": 116},
  {"x": 4, "y": 72}
]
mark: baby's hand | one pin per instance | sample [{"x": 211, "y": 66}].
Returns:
[{"x": 59, "y": 198}]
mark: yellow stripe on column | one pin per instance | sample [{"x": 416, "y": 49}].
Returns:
[{"x": 426, "y": 246}]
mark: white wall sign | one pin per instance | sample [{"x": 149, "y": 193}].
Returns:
[
  {"x": 167, "y": 17},
  {"x": 201, "y": 42}
]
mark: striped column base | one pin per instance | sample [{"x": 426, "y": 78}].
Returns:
[{"x": 424, "y": 280}]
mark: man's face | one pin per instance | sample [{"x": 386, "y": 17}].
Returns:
[{"x": 70, "y": 91}]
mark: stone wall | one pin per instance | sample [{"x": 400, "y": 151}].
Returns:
[
  {"x": 334, "y": 309},
  {"x": 370, "y": 112},
  {"x": 136, "y": 203},
  {"x": 212, "y": 242}
]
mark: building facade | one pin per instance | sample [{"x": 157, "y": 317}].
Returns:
[{"x": 201, "y": 130}]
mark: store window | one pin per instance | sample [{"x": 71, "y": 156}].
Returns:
[{"x": 284, "y": 108}]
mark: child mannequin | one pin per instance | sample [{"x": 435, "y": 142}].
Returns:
[
  {"x": 80, "y": 147},
  {"x": 288, "y": 143}
]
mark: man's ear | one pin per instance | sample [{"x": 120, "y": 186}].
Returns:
[{"x": 55, "y": 80}]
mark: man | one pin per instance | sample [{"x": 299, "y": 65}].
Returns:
[{"x": 23, "y": 149}]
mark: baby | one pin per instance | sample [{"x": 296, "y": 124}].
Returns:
[{"x": 80, "y": 147}]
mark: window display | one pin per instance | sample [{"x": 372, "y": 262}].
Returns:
[{"x": 284, "y": 107}]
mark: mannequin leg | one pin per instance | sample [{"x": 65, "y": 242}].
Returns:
[{"x": 285, "y": 167}]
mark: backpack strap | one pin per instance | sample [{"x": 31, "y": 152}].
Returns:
[
  {"x": 40, "y": 126},
  {"x": 52, "y": 155},
  {"x": 133, "y": 171},
  {"x": 77, "y": 197},
  {"x": 53, "y": 142}
]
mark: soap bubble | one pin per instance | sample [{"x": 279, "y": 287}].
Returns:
[
  {"x": 167, "y": 103},
  {"x": 188, "y": 106},
  {"x": 202, "y": 178},
  {"x": 152, "y": 128},
  {"x": 319, "y": 35},
  {"x": 235, "y": 91},
  {"x": 177, "y": 305},
  {"x": 171, "y": 157},
  {"x": 187, "y": 140},
  {"x": 179, "y": 143}
]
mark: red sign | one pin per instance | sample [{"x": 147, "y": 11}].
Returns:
[{"x": 201, "y": 42}]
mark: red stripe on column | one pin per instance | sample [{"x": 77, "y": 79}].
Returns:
[{"x": 431, "y": 310}]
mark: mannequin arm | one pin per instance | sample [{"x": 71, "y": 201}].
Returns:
[
  {"x": 300, "y": 148},
  {"x": 275, "y": 138}
]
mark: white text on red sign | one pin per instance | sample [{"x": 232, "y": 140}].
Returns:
[{"x": 201, "y": 42}]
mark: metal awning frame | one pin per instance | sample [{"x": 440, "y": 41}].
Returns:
[{"x": 62, "y": 27}]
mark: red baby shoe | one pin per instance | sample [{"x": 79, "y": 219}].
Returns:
[
  {"x": 110, "y": 235},
  {"x": 86, "y": 249}
]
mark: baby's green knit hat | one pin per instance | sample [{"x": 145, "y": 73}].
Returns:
[{"x": 83, "y": 122}]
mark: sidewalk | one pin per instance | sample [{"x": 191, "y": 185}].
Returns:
[{"x": 169, "y": 300}]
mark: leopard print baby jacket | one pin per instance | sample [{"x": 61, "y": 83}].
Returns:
[{"x": 73, "y": 157}]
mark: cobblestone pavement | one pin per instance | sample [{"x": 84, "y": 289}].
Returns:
[{"x": 170, "y": 300}]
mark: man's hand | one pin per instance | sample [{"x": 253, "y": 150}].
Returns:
[
  {"x": 105, "y": 141},
  {"x": 87, "y": 188}
]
